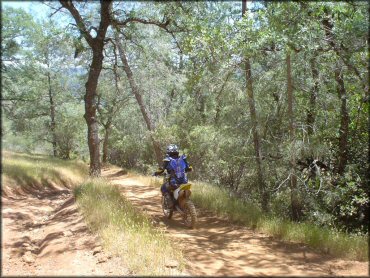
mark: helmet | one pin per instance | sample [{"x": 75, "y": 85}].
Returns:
[{"x": 172, "y": 149}]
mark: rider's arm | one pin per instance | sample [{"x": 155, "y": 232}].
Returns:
[
  {"x": 158, "y": 172},
  {"x": 188, "y": 168},
  {"x": 163, "y": 168}
]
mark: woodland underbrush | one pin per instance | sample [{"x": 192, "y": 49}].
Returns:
[
  {"x": 126, "y": 231},
  {"x": 325, "y": 240},
  {"x": 26, "y": 173}
]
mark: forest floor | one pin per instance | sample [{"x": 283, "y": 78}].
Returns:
[
  {"x": 219, "y": 247},
  {"x": 44, "y": 234}
]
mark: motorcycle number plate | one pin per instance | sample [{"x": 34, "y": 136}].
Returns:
[{"x": 176, "y": 193}]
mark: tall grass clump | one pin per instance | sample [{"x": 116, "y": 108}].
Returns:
[
  {"x": 34, "y": 171},
  {"x": 324, "y": 239},
  {"x": 219, "y": 201},
  {"x": 125, "y": 230}
]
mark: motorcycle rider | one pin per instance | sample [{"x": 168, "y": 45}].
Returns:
[{"x": 176, "y": 167}]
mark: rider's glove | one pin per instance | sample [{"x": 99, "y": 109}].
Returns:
[
  {"x": 190, "y": 168},
  {"x": 159, "y": 172}
]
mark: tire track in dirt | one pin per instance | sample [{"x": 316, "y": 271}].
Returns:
[
  {"x": 44, "y": 234},
  {"x": 218, "y": 248}
]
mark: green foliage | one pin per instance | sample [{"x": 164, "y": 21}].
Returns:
[
  {"x": 207, "y": 113},
  {"x": 193, "y": 85},
  {"x": 37, "y": 77},
  {"x": 69, "y": 133},
  {"x": 352, "y": 201}
]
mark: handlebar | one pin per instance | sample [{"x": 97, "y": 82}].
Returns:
[{"x": 163, "y": 174}]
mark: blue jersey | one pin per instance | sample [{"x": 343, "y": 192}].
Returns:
[{"x": 177, "y": 166}]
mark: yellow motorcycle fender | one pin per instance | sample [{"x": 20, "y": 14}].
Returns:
[
  {"x": 180, "y": 191},
  {"x": 186, "y": 186}
]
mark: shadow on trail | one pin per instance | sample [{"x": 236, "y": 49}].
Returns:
[
  {"x": 17, "y": 216},
  {"x": 219, "y": 247},
  {"x": 28, "y": 184},
  {"x": 64, "y": 217},
  {"x": 117, "y": 174}
]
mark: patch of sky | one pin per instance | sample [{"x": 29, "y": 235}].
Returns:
[
  {"x": 40, "y": 11},
  {"x": 37, "y": 9}
]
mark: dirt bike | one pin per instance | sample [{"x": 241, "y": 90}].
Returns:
[{"x": 180, "y": 202}]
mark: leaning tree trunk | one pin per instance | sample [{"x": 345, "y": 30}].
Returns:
[
  {"x": 52, "y": 116},
  {"x": 256, "y": 138},
  {"x": 136, "y": 91},
  {"x": 294, "y": 200}
]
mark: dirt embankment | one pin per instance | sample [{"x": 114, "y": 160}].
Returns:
[
  {"x": 44, "y": 234},
  {"x": 218, "y": 247}
]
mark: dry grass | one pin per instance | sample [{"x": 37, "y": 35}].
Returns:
[
  {"x": 217, "y": 199},
  {"x": 126, "y": 231},
  {"x": 27, "y": 173},
  {"x": 322, "y": 239}
]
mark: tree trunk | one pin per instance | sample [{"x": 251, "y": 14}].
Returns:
[
  {"x": 256, "y": 137},
  {"x": 106, "y": 141},
  {"x": 136, "y": 91},
  {"x": 295, "y": 204},
  {"x": 218, "y": 99},
  {"x": 311, "y": 115},
  {"x": 181, "y": 62},
  {"x": 52, "y": 117},
  {"x": 342, "y": 94},
  {"x": 90, "y": 112},
  {"x": 202, "y": 107},
  {"x": 97, "y": 46},
  {"x": 344, "y": 121}
]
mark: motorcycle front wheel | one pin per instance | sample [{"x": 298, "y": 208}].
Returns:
[
  {"x": 190, "y": 215},
  {"x": 166, "y": 211}
]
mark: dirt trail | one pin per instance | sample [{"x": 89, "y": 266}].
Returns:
[
  {"x": 218, "y": 247},
  {"x": 44, "y": 234}
]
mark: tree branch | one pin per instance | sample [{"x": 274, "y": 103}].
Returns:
[
  {"x": 80, "y": 23},
  {"x": 105, "y": 19},
  {"x": 57, "y": 10},
  {"x": 140, "y": 20}
]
